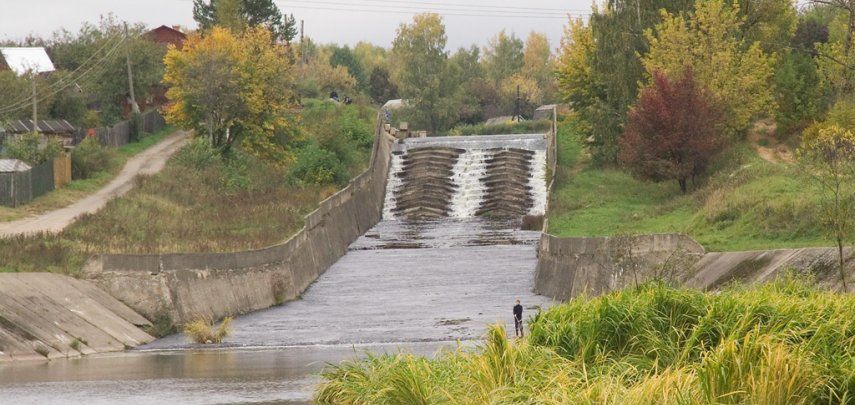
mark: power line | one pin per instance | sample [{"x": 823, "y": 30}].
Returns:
[
  {"x": 411, "y": 12},
  {"x": 24, "y": 103},
  {"x": 477, "y": 6},
  {"x": 442, "y": 7}
]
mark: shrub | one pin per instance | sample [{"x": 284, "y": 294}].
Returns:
[
  {"x": 32, "y": 148},
  {"x": 202, "y": 330},
  {"x": 90, "y": 157},
  {"x": 523, "y": 127},
  {"x": 198, "y": 154},
  {"x": 317, "y": 166}
]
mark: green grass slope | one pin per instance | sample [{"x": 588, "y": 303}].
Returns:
[{"x": 746, "y": 203}]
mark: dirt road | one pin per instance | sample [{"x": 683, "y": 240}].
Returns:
[{"x": 147, "y": 162}]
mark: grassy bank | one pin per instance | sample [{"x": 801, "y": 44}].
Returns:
[
  {"x": 199, "y": 202},
  {"x": 78, "y": 189},
  {"x": 747, "y": 202},
  {"x": 782, "y": 343}
]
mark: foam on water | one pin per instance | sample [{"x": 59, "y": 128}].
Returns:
[
  {"x": 468, "y": 174},
  {"x": 537, "y": 182},
  {"x": 392, "y": 185}
]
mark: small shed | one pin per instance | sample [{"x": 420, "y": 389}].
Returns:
[
  {"x": 13, "y": 166},
  {"x": 61, "y": 129}
]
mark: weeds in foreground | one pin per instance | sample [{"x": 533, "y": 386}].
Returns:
[
  {"x": 202, "y": 330},
  {"x": 784, "y": 343}
]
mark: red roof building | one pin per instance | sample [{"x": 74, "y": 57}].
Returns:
[{"x": 166, "y": 36}]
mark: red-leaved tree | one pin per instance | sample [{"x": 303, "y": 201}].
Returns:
[{"x": 673, "y": 130}]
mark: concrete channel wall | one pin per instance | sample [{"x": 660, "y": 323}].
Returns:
[
  {"x": 186, "y": 286},
  {"x": 568, "y": 267},
  {"x": 47, "y": 316}
]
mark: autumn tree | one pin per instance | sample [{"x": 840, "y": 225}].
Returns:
[
  {"x": 710, "y": 41},
  {"x": 673, "y": 130},
  {"x": 237, "y": 15},
  {"x": 232, "y": 87},
  {"x": 827, "y": 154},
  {"x": 419, "y": 66},
  {"x": 578, "y": 83}
]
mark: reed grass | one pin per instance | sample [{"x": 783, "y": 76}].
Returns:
[{"x": 782, "y": 343}]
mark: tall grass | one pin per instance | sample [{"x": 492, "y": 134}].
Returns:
[
  {"x": 203, "y": 331},
  {"x": 783, "y": 343}
]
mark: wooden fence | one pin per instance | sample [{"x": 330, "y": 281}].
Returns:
[{"x": 120, "y": 133}]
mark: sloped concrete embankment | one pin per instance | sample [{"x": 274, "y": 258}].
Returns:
[
  {"x": 569, "y": 267},
  {"x": 45, "y": 315},
  {"x": 215, "y": 285}
]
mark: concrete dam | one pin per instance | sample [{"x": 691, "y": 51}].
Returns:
[{"x": 447, "y": 258}]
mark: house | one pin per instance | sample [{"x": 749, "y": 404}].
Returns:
[{"x": 167, "y": 36}]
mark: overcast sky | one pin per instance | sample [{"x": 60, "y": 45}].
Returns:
[{"x": 340, "y": 21}]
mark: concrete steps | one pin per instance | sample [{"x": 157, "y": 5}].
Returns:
[
  {"x": 508, "y": 192},
  {"x": 426, "y": 185}
]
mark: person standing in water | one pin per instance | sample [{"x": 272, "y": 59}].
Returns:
[{"x": 518, "y": 323}]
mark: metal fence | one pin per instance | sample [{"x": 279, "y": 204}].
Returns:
[{"x": 17, "y": 188}]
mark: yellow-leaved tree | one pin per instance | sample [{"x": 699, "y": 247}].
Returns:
[
  {"x": 231, "y": 88},
  {"x": 574, "y": 71},
  {"x": 710, "y": 40}
]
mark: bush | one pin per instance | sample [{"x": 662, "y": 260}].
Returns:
[
  {"x": 90, "y": 157},
  {"x": 202, "y": 330},
  {"x": 523, "y": 127},
  {"x": 32, "y": 148},
  {"x": 198, "y": 154},
  {"x": 315, "y": 165}
]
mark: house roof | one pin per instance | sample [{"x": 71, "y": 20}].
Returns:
[
  {"x": 44, "y": 126},
  {"x": 13, "y": 165},
  {"x": 166, "y": 35},
  {"x": 24, "y": 60}
]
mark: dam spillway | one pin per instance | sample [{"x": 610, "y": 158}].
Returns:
[
  {"x": 447, "y": 259},
  {"x": 467, "y": 176}
]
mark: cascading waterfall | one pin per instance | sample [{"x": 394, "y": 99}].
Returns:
[
  {"x": 537, "y": 182},
  {"x": 468, "y": 174},
  {"x": 392, "y": 186},
  {"x": 476, "y": 184}
]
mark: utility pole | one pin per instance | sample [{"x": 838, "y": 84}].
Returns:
[
  {"x": 302, "y": 57},
  {"x": 135, "y": 108},
  {"x": 517, "y": 106},
  {"x": 35, "y": 104}
]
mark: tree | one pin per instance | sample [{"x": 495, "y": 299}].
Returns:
[
  {"x": 710, "y": 41},
  {"x": 236, "y": 15},
  {"x": 343, "y": 56},
  {"x": 230, "y": 87},
  {"x": 827, "y": 154},
  {"x": 577, "y": 81},
  {"x": 418, "y": 52},
  {"x": 380, "y": 87},
  {"x": 107, "y": 84},
  {"x": 617, "y": 31},
  {"x": 503, "y": 57},
  {"x": 539, "y": 65},
  {"x": 673, "y": 130}
]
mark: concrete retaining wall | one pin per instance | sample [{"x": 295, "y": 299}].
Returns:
[
  {"x": 215, "y": 285},
  {"x": 568, "y": 267},
  {"x": 45, "y": 315}
]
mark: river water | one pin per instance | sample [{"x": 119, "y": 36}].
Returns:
[{"x": 419, "y": 286}]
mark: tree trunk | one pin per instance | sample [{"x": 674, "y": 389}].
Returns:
[
  {"x": 682, "y": 182},
  {"x": 840, "y": 263}
]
